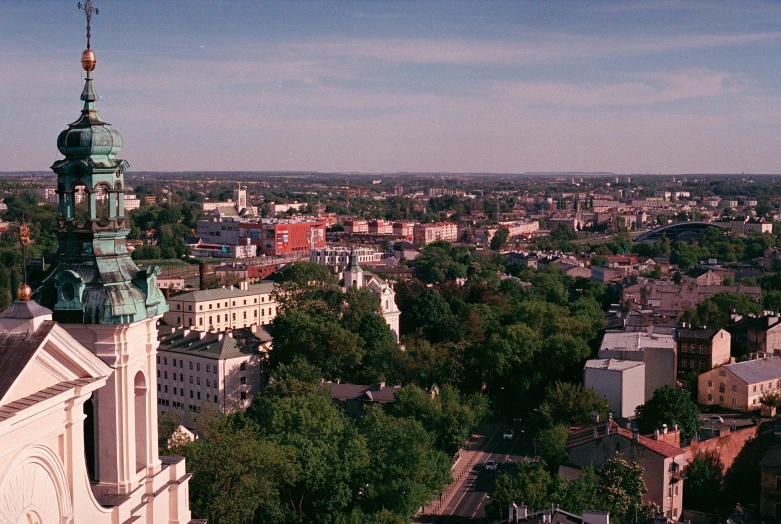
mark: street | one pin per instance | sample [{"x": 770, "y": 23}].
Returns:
[{"x": 468, "y": 504}]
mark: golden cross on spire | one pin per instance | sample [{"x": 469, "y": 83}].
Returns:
[{"x": 88, "y": 9}]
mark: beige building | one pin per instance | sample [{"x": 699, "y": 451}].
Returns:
[
  {"x": 223, "y": 309},
  {"x": 764, "y": 335},
  {"x": 194, "y": 367},
  {"x": 428, "y": 233},
  {"x": 662, "y": 462},
  {"x": 740, "y": 386}
]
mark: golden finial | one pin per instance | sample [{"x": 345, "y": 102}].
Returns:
[
  {"x": 24, "y": 292},
  {"x": 88, "y": 56}
]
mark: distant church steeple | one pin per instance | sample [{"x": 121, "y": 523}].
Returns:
[
  {"x": 93, "y": 279},
  {"x": 353, "y": 276}
]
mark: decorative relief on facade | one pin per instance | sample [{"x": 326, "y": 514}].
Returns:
[{"x": 30, "y": 496}]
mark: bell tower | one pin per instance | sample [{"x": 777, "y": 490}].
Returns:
[{"x": 100, "y": 296}]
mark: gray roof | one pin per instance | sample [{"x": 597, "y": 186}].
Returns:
[
  {"x": 699, "y": 334},
  {"x": 772, "y": 458},
  {"x": 16, "y": 350},
  {"x": 25, "y": 309},
  {"x": 759, "y": 370},
  {"x": 216, "y": 346},
  {"x": 219, "y": 294},
  {"x": 376, "y": 393}
]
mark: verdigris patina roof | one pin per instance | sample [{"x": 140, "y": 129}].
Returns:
[{"x": 93, "y": 279}]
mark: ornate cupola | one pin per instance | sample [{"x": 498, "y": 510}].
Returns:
[{"x": 93, "y": 279}]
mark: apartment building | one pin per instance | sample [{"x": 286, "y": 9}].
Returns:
[
  {"x": 663, "y": 463},
  {"x": 380, "y": 227},
  {"x": 222, "y": 309},
  {"x": 404, "y": 229},
  {"x": 701, "y": 350},
  {"x": 286, "y": 237},
  {"x": 339, "y": 256},
  {"x": 740, "y": 386},
  {"x": 655, "y": 347},
  {"x": 746, "y": 225},
  {"x": 194, "y": 367},
  {"x": 356, "y": 225},
  {"x": 764, "y": 335},
  {"x": 428, "y": 233}
]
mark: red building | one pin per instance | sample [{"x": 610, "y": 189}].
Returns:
[{"x": 285, "y": 237}]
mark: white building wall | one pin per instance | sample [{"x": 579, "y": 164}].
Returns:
[{"x": 624, "y": 389}]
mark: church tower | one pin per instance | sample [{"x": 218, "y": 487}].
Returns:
[
  {"x": 353, "y": 275},
  {"x": 98, "y": 294}
]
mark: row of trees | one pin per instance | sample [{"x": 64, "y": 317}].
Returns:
[{"x": 616, "y": 487}]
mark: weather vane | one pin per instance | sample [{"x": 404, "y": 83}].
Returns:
[{"x": 88, "y": 9}]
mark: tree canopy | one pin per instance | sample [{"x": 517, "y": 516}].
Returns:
[{"x": 669, "y": 405}]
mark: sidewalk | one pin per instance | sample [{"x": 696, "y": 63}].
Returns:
[{"x": 468, "y": 456}]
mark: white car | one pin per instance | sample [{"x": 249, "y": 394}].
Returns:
[
  {"x": 490, "y": 465},
  {"x": 508, "y": 434},
  {"x": 716, "y": 418}
]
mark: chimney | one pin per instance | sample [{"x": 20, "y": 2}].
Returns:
[
  {"x": 664, "y": 429},
  {"x": 512, "y": 513},
  {"x": 595, "y": 416},
  {"x": 656, "y": 434},
  {"x": 595, "y": 434},
  {"x": 523, "y": 511},
  {"x": 636, "y": 435},
  {"x": 202, "y": 275},
  {"x": 675, "y": 427}
]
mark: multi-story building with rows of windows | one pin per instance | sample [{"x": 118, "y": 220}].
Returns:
[
  {"x": 222, "y": 309},
  {"x": 194, "y": 367}
]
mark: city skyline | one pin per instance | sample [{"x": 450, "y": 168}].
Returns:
[{"x": 653, "y": 87}]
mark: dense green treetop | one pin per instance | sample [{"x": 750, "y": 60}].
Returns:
[{"x": 670, "y": 405}]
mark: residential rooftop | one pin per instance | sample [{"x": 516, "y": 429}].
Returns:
[{"x": 757, "y": 370}]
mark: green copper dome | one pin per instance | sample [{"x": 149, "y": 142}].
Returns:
[
  {"x": 89, "y": 136},
  {"x": 93, "y": 279}
]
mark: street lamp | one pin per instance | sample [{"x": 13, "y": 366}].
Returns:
[{"x": 500, "y": 506}]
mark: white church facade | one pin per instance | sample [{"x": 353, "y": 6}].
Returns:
[
  {"x": 78, "y": 396},
  {"x": 356, "y": 277}
]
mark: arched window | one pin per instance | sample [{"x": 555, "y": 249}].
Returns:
[
  {"x": 102, "y": 201},
  {"x": 139, "y": 384}
]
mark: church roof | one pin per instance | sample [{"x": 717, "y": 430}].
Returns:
[
  {"x": 12, "y": 408},
  {"x": 16, "y": 351}
]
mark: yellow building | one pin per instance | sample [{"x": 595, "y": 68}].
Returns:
[{"x": 740, "y": 386}]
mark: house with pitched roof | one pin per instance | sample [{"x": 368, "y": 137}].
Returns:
[
  {"x": 740, "y": 386},
  {"x": 662, "y": 462},
  {"x": 352, "y": 398}
]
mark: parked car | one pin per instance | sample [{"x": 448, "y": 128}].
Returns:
[
  {"x": 715, "y": 418},
  {"x": 508, "y": 434},
  {"x": 490, "y": 465}
]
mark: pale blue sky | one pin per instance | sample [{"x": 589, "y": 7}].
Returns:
[{"x": 630, "y": 87}]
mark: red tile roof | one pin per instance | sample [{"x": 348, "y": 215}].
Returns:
[{"x": 581, "y": 435}]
